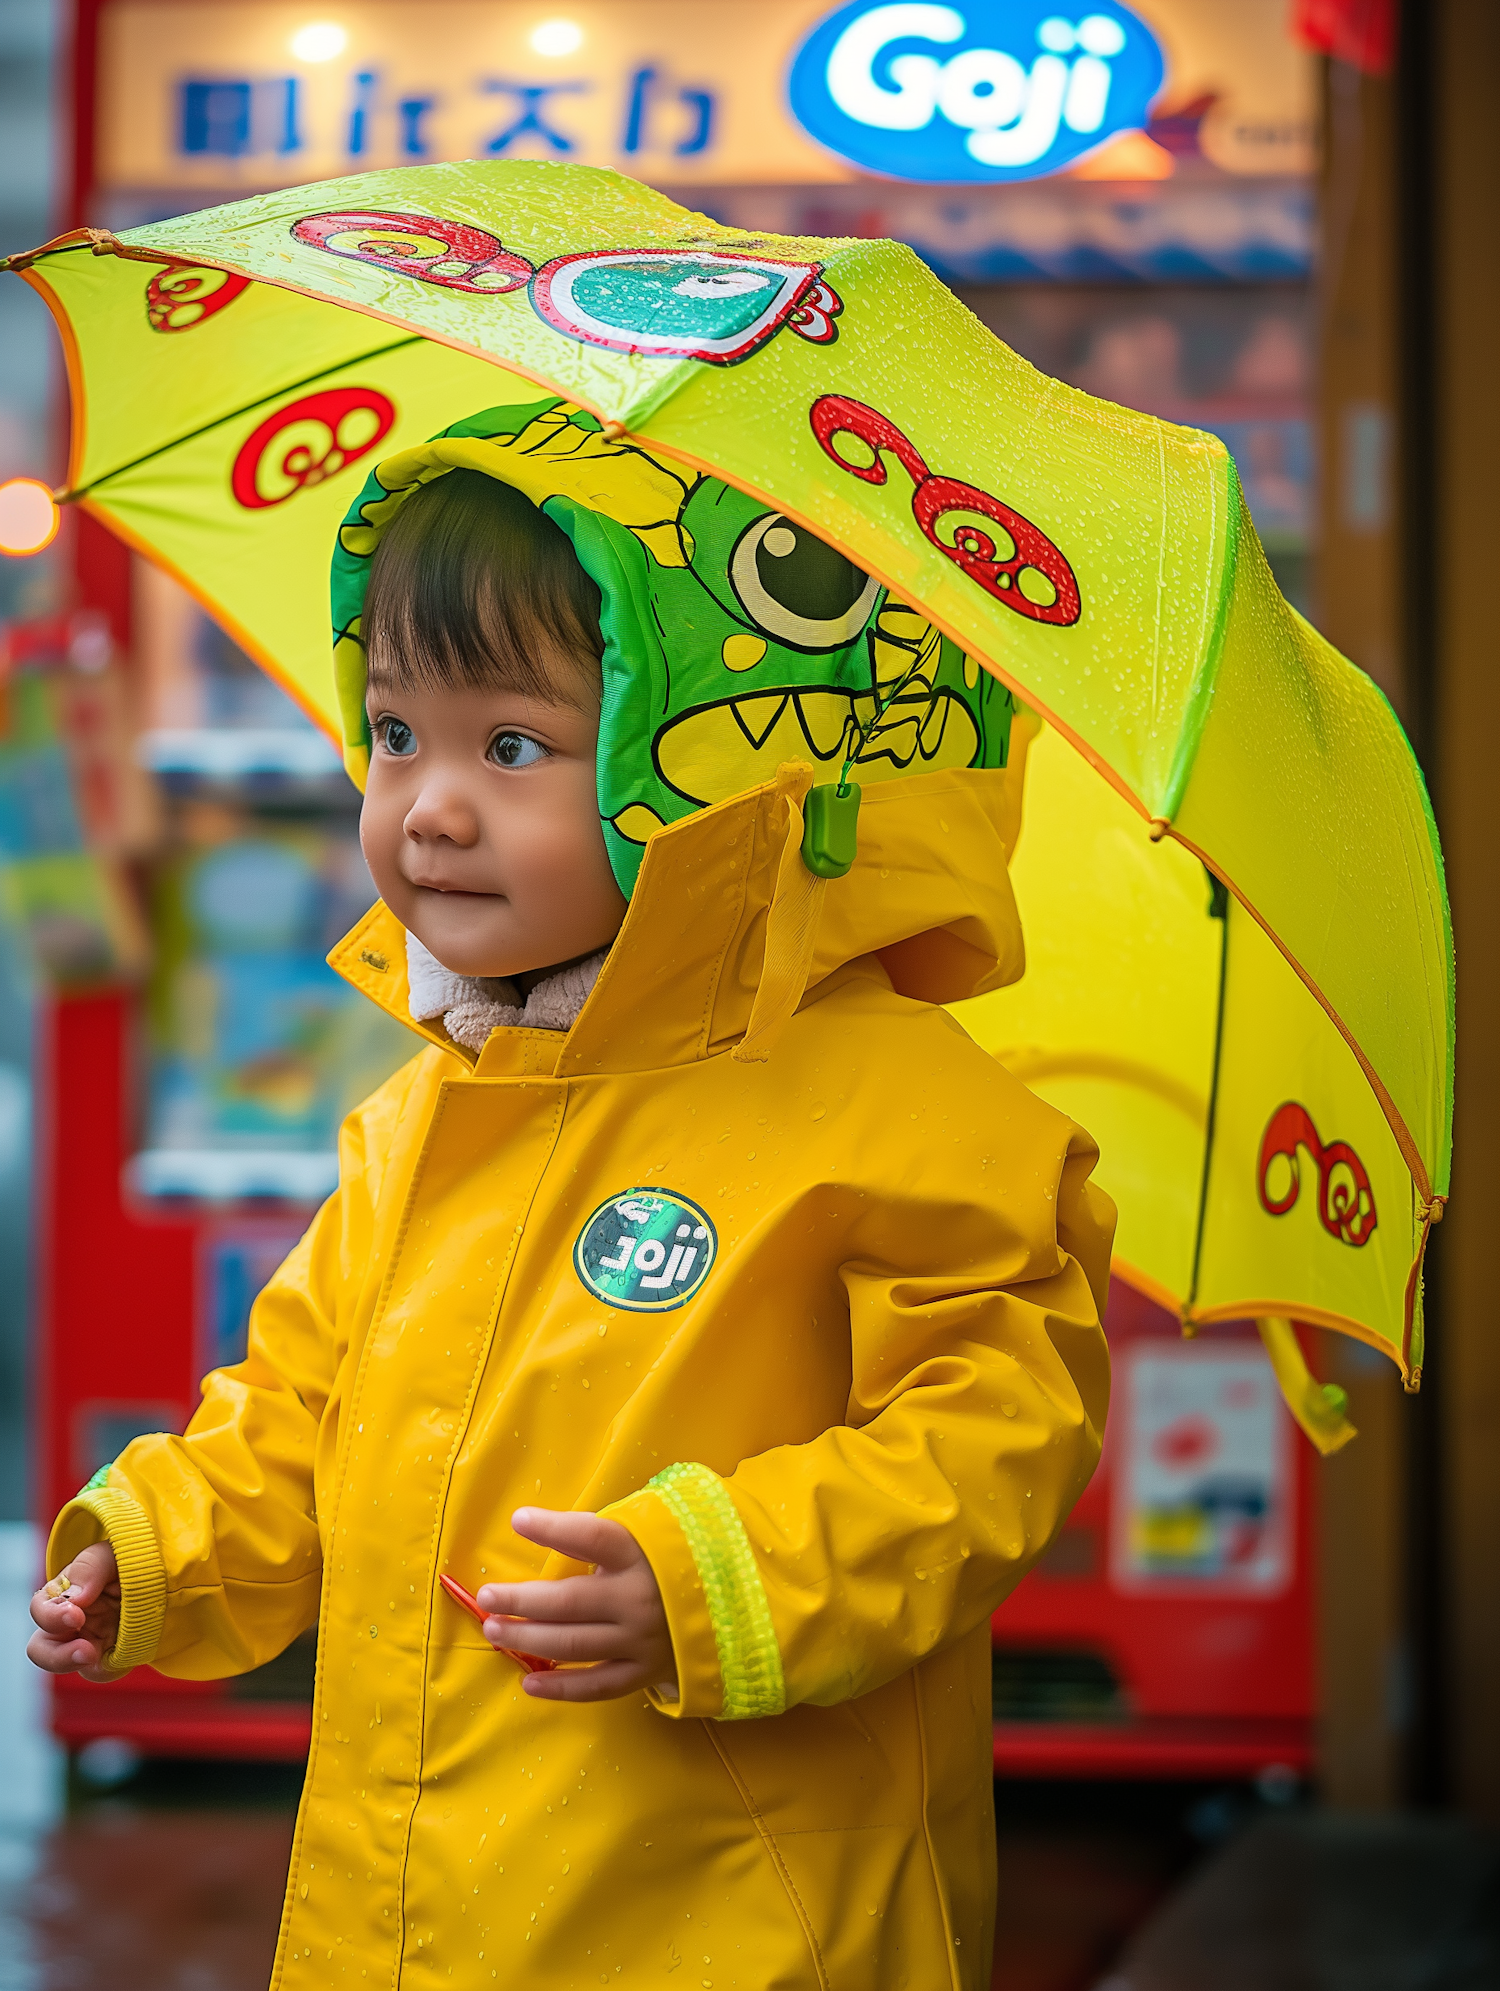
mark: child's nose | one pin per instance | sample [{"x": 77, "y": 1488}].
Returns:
[{"x": 442, "y": 810}]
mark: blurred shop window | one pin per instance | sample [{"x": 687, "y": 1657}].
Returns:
[
  {"x": 257, "y": 1049},
  {"x": 74, "y": 812},
  {"x": 74, "y": 815},
  {"x": 206, "y": 709}
]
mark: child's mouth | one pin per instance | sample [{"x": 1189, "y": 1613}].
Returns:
[{"x": 452, "y": 891}]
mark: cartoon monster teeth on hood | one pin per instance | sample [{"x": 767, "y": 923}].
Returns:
[{"x": 734, "y": 639}]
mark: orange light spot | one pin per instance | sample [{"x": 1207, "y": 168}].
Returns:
[{"x": 28, "y": 517}]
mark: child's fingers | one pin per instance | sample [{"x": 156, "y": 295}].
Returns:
[
  {"x": 63, "y": 1655},
  {"x": 61, "y": 1618},
  {"x": 569, "y": 1644},
  {"x": 56, "y": 1616},
  {"x": 584, "y": 1537},
  {"x": 84, "y": 1579},
  {"x": 587, "y": 1683},
  {"x": 565, "y": 1600}
]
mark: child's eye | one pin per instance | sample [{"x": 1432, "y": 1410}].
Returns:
[
  {"x": 396, "y": 736},
  {"x": 515, "y": 750}
]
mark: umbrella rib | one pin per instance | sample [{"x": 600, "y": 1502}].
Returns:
[
  {"x": 291, "y": 387},
  {"x": 1219, "y": 909}
]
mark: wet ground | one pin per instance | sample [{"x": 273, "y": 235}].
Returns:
[
  {"x": 1083, "y": 1866},
  {"x": 1314, "y": 1902},
  {"x": 171, "y": 1885}
]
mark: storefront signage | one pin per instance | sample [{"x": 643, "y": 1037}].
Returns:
[
  {"x": 994, "y": 90},
  {"x": 248, "y": 94}
]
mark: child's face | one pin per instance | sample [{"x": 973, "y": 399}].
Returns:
[{"x": 481, "y": 828}]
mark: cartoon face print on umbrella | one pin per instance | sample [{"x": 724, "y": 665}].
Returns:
[
  {"x": 716, "y": 305},
  {"x": 308, "y": 441},
  {"x": 1346, "y": 1197},
  {"x": 1002, "y": 552},
  {"x": 707, "y": 304}
]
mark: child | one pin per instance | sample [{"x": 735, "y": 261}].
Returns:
[{"x": 701, "y": 1295}]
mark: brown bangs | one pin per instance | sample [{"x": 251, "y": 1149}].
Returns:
[{"x": 471, "y": 586}]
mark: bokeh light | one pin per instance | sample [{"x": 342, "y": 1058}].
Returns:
[
  {"x": 319, "y": 41},
  {"x": 557, "y": 37},
  {"x": 28, "y": 517}
]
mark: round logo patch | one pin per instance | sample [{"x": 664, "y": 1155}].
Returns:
[{"x": 646, "y": 1249}]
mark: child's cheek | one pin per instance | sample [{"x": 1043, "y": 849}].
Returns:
[{"x": 380, "y": 833}]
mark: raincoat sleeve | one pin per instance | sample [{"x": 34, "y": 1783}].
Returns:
[
  {"x": 216, "y": 1532},
  {"x": 980, "y": 1382}
]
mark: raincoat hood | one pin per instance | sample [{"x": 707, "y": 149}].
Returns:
[{"x": 735, "y": 640}]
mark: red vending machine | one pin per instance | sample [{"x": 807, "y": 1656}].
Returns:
[
  {"x": 135, "y": 1295},
  {"x": 1168, "y": 1632}
]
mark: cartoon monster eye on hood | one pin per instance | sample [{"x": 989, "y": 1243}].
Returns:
[{"x": 734, "y": 638}]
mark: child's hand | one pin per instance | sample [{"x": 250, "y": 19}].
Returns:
[
  {"x": 77, "y": 1629},
  {"x": 613, "y": 1618}
]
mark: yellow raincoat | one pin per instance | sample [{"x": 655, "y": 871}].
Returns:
[
  {"x": 842, "y": 1414},
  {"x": 891, "y": 1387}
]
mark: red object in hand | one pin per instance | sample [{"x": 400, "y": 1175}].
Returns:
[{"x": 527, "y": 1661}]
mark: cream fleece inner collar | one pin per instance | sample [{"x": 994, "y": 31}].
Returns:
[{"x": 471, "y": 1006}]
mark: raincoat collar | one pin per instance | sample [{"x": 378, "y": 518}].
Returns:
[{"x": 927, "y": 909}]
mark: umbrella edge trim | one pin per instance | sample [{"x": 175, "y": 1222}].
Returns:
[
  {"x": 72, "y": 366},
  {"x": 1240, "y": 1310}
]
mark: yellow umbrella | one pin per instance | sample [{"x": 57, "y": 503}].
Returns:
[{"x": 1240, "y": 968}]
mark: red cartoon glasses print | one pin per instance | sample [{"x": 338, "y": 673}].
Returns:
[
  {"x": 1346, "y": 1199},
  {"x": 1010, "y": 558},
  {"x": 451, "y": 254}
]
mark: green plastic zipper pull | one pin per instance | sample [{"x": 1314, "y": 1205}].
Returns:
[{"x": 830, "y": 829}]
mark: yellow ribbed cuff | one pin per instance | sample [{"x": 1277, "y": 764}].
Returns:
[
  {"x": 697, "y": 1694},
  {"x": 107, "y": 1513},
  {"x": 749, "y": 1657}
]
